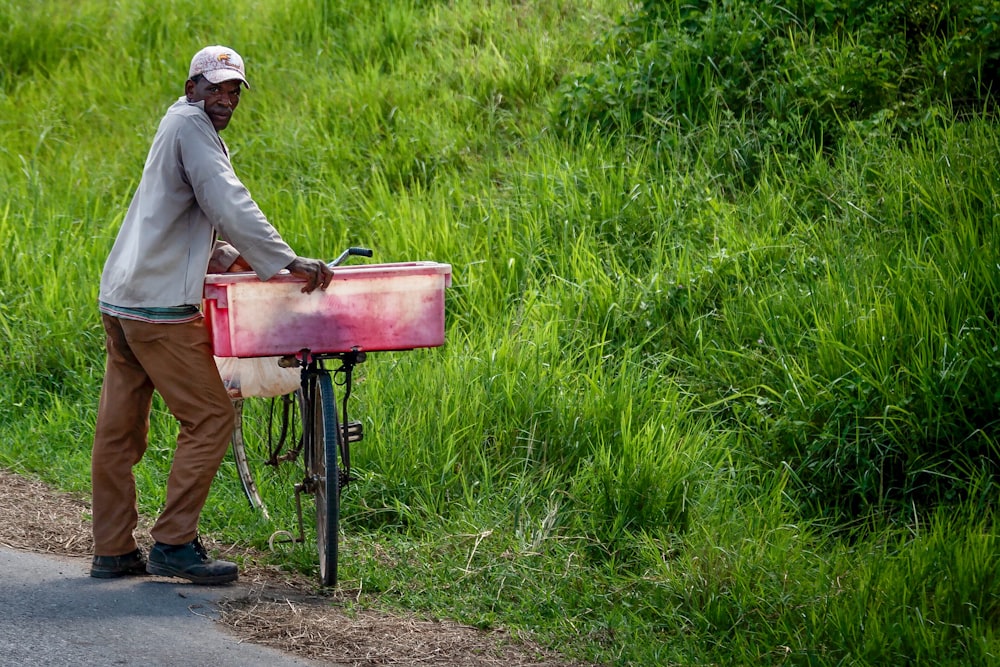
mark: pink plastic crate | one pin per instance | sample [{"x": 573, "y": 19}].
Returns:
[{"x": 370, "y": 307}]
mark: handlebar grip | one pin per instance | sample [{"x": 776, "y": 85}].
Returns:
[{"x": 361, "y": 252}]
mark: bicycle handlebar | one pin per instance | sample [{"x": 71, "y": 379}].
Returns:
[{"x": 359, "y": 252}]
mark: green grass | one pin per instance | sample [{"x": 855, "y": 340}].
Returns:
[{"x": 714, "y": 391}]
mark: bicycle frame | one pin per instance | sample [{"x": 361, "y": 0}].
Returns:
[
  {"x": 312, "y": 364},
  {"x": 319, "y": 480}
]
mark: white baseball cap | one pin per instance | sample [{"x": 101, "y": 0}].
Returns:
[{"x": 218, "y": 64}]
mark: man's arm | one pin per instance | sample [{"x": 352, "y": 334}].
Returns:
[
  {"x": 225, "y": 258},
  {"x": 227, "y": 203}
]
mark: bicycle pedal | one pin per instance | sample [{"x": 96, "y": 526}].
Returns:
[{"x": 355, "y": 432}]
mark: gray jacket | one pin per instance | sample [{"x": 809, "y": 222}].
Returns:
[{"x": 188, "y": 196}]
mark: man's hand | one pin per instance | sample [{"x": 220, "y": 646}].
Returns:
[{"x": 314, "y": 271}]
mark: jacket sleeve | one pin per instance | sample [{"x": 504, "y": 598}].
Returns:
[
  {"x": 227, "y": 203},
  {"x": 223, "y": 256}
]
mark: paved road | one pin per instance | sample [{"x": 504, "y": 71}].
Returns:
[{"x": 53, "y": 614}]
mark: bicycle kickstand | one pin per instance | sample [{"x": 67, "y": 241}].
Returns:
[{"x": 289, "y": 538}]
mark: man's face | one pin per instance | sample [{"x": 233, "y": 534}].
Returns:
[{"x": 221, "y": 99}]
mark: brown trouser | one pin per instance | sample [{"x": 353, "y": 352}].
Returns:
[{"x": 175, "y": 360}]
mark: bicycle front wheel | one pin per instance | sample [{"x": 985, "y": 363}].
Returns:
[{"x": 325, "y": 474}]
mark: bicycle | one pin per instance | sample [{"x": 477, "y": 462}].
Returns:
[
  {"x": 348, "y": 322},
  {"x": 303, "y": 424}
]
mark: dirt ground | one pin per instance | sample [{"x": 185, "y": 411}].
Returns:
[{"x": 280, "y": 611}]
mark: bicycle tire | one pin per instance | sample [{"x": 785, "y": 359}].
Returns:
[
  {"x": 325, "y": 473},
  {"x": 255, "y": 433}
]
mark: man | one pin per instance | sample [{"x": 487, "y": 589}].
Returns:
[{"x": 150, "y": 296}]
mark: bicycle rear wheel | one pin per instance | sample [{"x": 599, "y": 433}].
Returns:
[
  {"x": 266, "y": 433},
  {"x": 324, "y": 472}
]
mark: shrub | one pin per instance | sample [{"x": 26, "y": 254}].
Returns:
[{"x": 795, "y": 74}]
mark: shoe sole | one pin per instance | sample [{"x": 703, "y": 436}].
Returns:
[
  {"x": 165, "y": 571},
  {"x": 114, "y": 574}
]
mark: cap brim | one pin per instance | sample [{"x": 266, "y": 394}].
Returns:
[{"x": 223, "y": 75}]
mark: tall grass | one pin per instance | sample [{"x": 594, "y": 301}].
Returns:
[{"x": 702, "y": 400}]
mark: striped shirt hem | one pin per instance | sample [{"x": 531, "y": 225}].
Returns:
[{"x": 168, "y": 315}]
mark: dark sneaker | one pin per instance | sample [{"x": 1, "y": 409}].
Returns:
[
  {"x": 190, "y": 561},
  {"x": 109, "y": 567}
]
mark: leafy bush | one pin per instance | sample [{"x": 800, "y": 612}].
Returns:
[{"x": 793, "y": 76}]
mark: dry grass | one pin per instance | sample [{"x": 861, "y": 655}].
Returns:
[
  {"x": 279, "y": 610},
  {"x": 319, "y": 630},
  {"x": 33, "y": 518}
]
